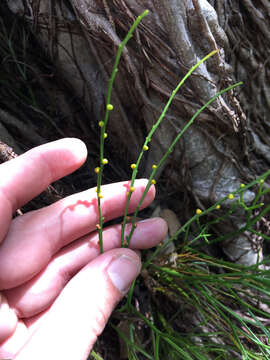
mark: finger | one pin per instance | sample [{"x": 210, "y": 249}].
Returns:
[
  {"x": 29, "y": 174},
  {"x": 35, "y": 237},
  {"x": 14, "y": 342},
  {"x": 86, "y": 304},
  {"x": 39, "y": 293},
  {"x": 8, "y": 319}
]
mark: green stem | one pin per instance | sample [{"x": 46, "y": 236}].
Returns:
[
  {"x": 149, "y": 136},
  {"x": 106, "y": 118},
  {"x": 169, "y": 151}
]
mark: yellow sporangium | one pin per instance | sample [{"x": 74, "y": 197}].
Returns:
[
  {"x": 133, "y": 166},
  {"x": 109, "y": 107},
  {"x": 105, "y": 161},
  {"x": 101, "y": 123},
  {"x": 97, "y": 169},
  {"x": 145, "y": 147},
  {"x": 153, "y": 182},
  {"x": 154, "y": 166},
  {"x": 198, "y": 211},
  {"x": 230, "y": 196},
  {"x": 132, "y": 189}
]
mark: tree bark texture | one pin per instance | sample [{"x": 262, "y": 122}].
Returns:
[{"x": 230, "y": 142}]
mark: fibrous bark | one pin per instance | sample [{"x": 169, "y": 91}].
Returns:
[{"x": 228, "y": 145}]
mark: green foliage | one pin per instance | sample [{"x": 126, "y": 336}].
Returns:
[
  {"x": 229, "y": 302},
  {"x": 145, "y": 147},
  {"x": 103, "y": 124},
  {"x": 226, "y": 304}
]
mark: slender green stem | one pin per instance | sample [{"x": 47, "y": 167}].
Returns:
[
  {"x": 132, "y": 344},
  {"x": 169, "y": 151},
  {"x": 95, "y": 355},
  {"x": 149, "y": 137},
  {"x": 186, "y": 226},
  {"x": 156, "y": 346},
  {"x": 103, "y": 124}
]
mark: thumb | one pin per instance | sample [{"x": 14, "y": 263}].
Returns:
[{"x": 81, "y": 311}]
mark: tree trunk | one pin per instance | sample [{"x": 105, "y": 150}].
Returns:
[{"x": 229, "y": 143}]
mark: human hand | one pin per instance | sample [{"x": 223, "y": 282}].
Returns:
[{"x": 57, "y": 291}]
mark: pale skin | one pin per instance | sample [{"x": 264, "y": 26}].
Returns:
[{"x": 57, "y": 291}]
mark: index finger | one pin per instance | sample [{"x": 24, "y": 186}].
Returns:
[{"x": 26, "y": 176}]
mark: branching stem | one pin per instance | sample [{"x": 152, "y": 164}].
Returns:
[
  {"x": 169, "y": 151},
  {"x": 125, "y": 242}
]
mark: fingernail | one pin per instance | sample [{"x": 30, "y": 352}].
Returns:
[{"x": 122, "y": 271}]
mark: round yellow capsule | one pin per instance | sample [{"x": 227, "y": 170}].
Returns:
[
  {"x": 242, "y": 186},
  {"x": 101, "y": 123},
  {"x": 154, "y": 166},
  {"x": 109, "y": 107},
  {"x": 132, "y": 189},
  {"x": 230, "y": 196},
  {"x": 100, "y": 196},
  {"x": 105, "y": 161},
  {"x": 133, "y": 166},
  {"x": 97, "y": 169},
  {"x": 153, "y": 182},
  {"x": 218, "y": 207},
  {"x": 105, "y": 135},
  {"x": 198, "y": 211},
  {"x": 145, "y": 147}
]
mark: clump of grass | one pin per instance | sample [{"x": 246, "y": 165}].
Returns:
[
  {"x": 228, "y": 304},
  {"x": 227, "y": 310}
]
